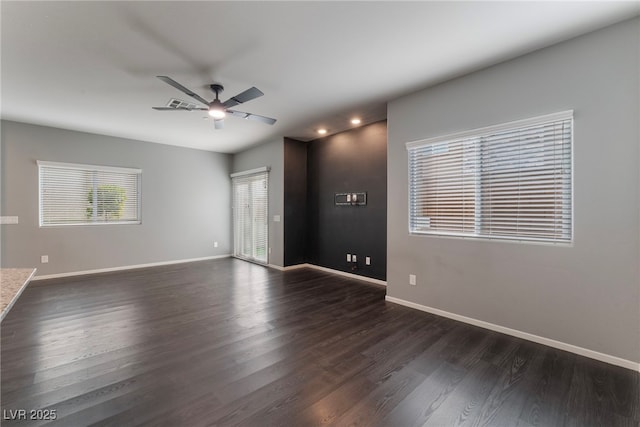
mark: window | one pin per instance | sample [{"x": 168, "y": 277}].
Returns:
[
  {"x": 73, "y": 194},
  {"x": 510, "y": 181},
  {"x": 250, "y": 214}
]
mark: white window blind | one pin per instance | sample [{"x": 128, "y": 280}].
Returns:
[
  {"x": 250, "y": 215},
  {"x": 76, "y": 194},
  {"x": 510, "y": 181}
]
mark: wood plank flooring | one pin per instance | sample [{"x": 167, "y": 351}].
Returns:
[{"x": 229, "y": 343}]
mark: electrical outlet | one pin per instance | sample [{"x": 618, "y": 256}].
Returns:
[
  {"x": 353, "y": 258},
  {"x": 367, "y": 260},
  {"x": 412, "y": 279},
  {"x": 44, "y": 259},
  {"x": 348, "y": 257},
  {"x": 215, "y": 244}
]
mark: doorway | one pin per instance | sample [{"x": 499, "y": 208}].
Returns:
[{"x": 250, "y": 215}]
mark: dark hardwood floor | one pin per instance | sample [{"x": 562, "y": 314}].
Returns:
[{"x": 227, "y": 342}]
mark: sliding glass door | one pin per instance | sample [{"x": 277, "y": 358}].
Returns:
[{"x": 250, "y": 216}]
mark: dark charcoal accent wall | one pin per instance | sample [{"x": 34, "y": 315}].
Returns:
[
  {"x": 350, "y": 161},
  {"x": 295, "y": 202}
]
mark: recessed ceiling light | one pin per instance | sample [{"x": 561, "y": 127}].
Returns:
[
  {"x": 355, "y": 121},
  {"x": 322, "y": 131}
]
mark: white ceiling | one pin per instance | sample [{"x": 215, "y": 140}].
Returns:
[{"x": 91, "y": 66}]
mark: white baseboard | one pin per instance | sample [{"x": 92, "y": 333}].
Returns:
[
  {"x": 125, "y": 267},
  {"x": 296, "y": 267},
  {"x": 287, "y": 268},
  {"x": 592, "y": 354},
  {"x": 329, "y": 270},
  {"x": 349, "y": 275}
]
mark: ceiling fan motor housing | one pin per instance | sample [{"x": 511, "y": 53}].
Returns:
[{"x": 216, "y": 109}]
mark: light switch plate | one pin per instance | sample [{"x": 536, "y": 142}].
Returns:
[{"x": 8, "y": 219}]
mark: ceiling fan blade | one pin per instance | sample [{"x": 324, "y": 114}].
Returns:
[
  {"x": 250, "y": 116},
  {"x": 218, "y": 124},
  {"x": 247, "y": 95},
  {"x": 178, "y": 109},
  {"x": 171, "y": 82}
]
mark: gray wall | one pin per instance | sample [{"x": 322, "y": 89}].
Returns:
[
  {"x": 270, "y": 154},
  {"x": 586, "y": 295},
  {"x": 186, "y": 199}
]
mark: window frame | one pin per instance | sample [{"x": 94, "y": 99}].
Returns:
[
  {"x": 479, "y": 134},
  {"x": 90, "y": 168}
]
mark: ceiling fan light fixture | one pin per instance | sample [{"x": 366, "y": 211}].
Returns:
[
  {"x": 216, "y": 110},
  {"x": 217, "y": 113}
]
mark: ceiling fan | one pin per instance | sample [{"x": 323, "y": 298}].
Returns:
[{"x": 217, "y": 109}]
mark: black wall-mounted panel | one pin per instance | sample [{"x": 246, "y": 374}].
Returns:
[{"x": 354, "y": 159}]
